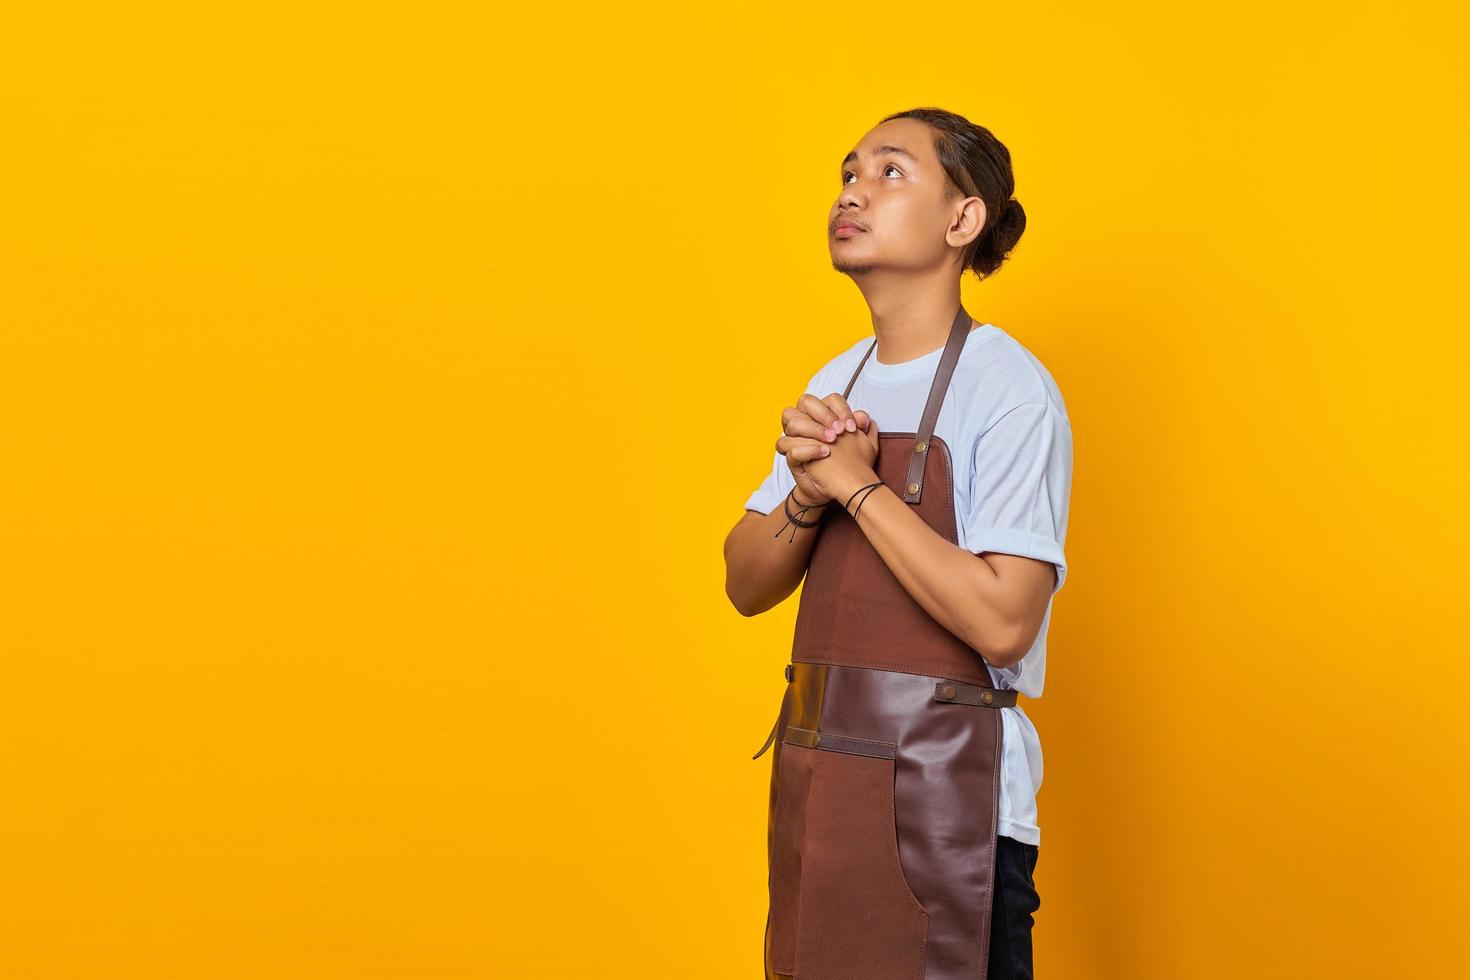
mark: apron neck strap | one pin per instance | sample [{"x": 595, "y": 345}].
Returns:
[{"x": 913, "y": 487}]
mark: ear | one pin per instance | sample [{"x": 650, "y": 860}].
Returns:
[{"x": 967, "y": 223}]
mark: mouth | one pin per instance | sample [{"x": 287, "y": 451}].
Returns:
[{"x": 846, "y": 229}]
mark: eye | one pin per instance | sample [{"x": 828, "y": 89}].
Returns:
[{"x": 886, "y": 167}]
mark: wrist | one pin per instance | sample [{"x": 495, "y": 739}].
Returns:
[
  {"x": 796, "y": 495},
  {"x": 845, "y": 492}
]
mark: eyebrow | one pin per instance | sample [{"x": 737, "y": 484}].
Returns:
[{"x": 880, "y": 151}]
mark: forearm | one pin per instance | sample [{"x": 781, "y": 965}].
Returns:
[
  {"x": 958, "y": 588},
  {"x": 764, "y": 563}
]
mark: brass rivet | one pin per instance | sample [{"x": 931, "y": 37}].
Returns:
[
  {"x": 948, "y": 691},
  {"x": 919, "y": 447},
  {"x": 987, "y": 697},
  {"x": 913, "y": 488}
]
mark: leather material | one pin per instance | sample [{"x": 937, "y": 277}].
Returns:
[
  {"x": 853, "y": 610},
  {"x": 842, "y": 743},
  {"x": 771, "y": 738},
  {"x": 885, "y": 769},
  {"x": 973, "y": 694}
]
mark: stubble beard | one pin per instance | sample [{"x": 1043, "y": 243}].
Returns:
[{"x": 851, "y": 268}]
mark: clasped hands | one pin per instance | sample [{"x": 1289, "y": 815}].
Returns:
[{"x": 830, "y": 449}]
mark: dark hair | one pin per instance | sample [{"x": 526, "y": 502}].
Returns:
[{"x": 977, "y": 164}]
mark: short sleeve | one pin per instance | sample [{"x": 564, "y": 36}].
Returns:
[
  {"x": 778, "y": 483},
  {"x": 1021, "y": 485}
]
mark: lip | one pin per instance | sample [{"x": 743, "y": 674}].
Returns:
[{"x": 846, "y": 229}]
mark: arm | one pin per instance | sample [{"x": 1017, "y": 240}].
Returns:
[
  {"x": 763, "y": 563},
  {"x": 765, "y": 556},
  {"x": 995, "y": 597},
  {"x": 994, "y": 602}
]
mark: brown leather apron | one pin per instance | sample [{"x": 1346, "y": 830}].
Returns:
[{"x": 885, "y": 779}]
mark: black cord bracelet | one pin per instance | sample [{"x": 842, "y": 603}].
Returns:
[
  {"x": 864, "y": 500},
  {"x": 860, "y": 490},
  {"x": 793, "y": 518}
]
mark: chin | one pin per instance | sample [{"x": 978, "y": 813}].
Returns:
[{"x": 850, "y": 262}]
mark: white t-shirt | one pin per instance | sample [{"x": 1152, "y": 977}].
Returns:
[{"x": 1011, "y": 448}]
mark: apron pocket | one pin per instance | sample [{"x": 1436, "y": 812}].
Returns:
[{"x": 841, "y": 908}]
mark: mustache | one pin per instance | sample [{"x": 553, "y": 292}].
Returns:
[{"x": 832, "y": 225}]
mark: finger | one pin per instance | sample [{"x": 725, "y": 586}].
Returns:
[
  {"x": 842, "y": 412},
  {"x": 800, "y": 450},
  {"x": 817, "y": 408},
  {"x": 795, "y": 422},
  {"x": 862, "y": 418}
]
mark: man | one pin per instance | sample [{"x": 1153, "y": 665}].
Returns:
[{"x": 928, "y": 585}]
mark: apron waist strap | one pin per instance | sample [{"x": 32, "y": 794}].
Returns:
[
  {"x": 959, "y": 692},
  {"x": 953, "y": 692}
]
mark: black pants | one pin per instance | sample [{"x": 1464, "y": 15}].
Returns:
[{"x": 1015, "y": 900}]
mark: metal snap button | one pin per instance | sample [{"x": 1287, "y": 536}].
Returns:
[
  {"x": 920, "y": 446},
  {"x": 987, "y": 697},
  {"x": 913, "y": 488},
  {"x": 948, "y": 692}
]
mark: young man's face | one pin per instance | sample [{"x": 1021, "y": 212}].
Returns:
[{"x": 896, "y": 193}]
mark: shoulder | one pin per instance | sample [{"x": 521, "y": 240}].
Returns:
[{"x": 998, "y": 374}]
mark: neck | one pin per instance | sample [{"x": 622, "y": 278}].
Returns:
[{"x": 911, "y": 315}]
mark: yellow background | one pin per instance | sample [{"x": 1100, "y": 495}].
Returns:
[{"x": 377, "y": 387}]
